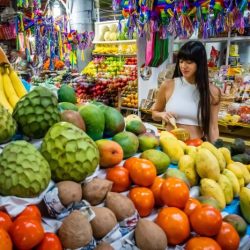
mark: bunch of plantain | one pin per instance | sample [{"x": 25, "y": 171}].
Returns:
[{"x": 11, "y": 87}]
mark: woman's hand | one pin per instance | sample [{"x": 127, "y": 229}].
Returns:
[{"x": 165, "y": 116}]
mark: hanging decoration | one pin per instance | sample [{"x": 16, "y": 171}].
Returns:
[{"x": 181, "y": 18}]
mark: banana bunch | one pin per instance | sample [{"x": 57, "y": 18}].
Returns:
[{"x": 11, "y": 87}]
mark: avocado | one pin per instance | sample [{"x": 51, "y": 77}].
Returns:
[
  {"x": 243, "y": 158},
  {"x": 219, "y": 143},
  {"x": 238, "y": 147}
]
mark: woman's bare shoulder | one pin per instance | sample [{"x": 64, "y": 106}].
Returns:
[{"x": 167, "y": 84}]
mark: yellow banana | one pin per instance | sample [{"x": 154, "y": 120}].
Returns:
[
  {"x": 3, "y": 98},
  {"x": 227, "y": 188},
  {"x": 219, "y": 156},
  {"x": 236, "y": 170},
  {"x": 9, "y": 90},
  {"x": 227, "y": 154},
  {"x": 209, "y": 187},
  {"x": 234, "y": 181},
  {"x": 17, "y": 83}
]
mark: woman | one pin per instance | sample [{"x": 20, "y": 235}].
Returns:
[{"x": 188, "y": 96}]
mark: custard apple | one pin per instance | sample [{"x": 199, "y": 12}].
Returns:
[
  {"x": 71, "y": 153},
  {"x": 7, "y": 125},
  {"x": 36, "y": 112},
  {"x": 23, "y": 170}
]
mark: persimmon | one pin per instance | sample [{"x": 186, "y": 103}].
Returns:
[
  {"x": 5, "y": 221},
  {"x": 5, "y": 240},
  {"x": 120, "y": 178},
  {"x": 129, "y": 162},
  {"x": 31, "y": 211},
  {"x": 50, "y": 241},
  {"x": 206, "y": 220},
  {"x": 228, "y": 238},
  {"x": 202, "y": 243},
  {"x": 174, "y": 192},
  {"x": 194, "y": 142},
  {"x": 174, "y": 223},
  {"x": 143, "y": 199},
  {"x": 142, "y": 172},
  {"x": 191, "y": 205},
  {"x": 156, "y": 189}
]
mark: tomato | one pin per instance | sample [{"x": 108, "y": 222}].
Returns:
[
  {"x": 228, "y": 238},
  {"x": 174, "y": 192},
  {"x": 120, "y": 178},
  {"x": 5, "y": 240},
  {"x": 156, "y": 189},
  {"x": 50, "y": 242},
  {"x": 26, "y": 232},
  {"x": 206, "y": 220},
  {"x": 194, "y": 142},
  {"x": 191, "y": 205},
  {"x": 5, "y": 221},
  {"x": 31, "y": 211},
  {"x": 174, "y": 223},
  {"x": 143, "y": 199},
  {"x": 143, "y": 172},
  {"x": 202, "y": 243}
]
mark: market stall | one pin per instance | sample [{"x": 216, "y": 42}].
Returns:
[{"x": 82, "y": 165}]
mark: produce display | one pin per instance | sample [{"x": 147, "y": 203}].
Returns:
[
  {"x": 115, "y": 49},
  {"x": 106, "y": 78},
  {"x": 129, "y": 183}
]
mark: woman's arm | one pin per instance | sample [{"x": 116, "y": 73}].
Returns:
[
  {"x": 214, "y": 110},
  {"x": 158, "y": 109}
]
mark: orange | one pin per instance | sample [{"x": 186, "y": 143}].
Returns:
[
  {"x": 202, "y": 243},
  {"x": 206, "y": 220},
  {"x": 175, "y": 224},
  {"x": 143, "y": 199},
  {"x": 228, "y": 238},
  {"x": 174, "y": 192}
]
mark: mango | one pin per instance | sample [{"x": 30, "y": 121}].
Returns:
[
  {"x": 147, "y": 141},
  {"x": 233, "y": 180},
  {"x": 209, "y": 187},
  {"x": 227, "y": 154},
  {"x": 207, "y": 165},
  {"x": 209, "y": 200},
  {"x": 136, "y": 127},
  {"x": 187, "y": 166},
  {"x": 191, "y": 151},
  {"x": 174, "y": 172},
  {"x": 245, "y": 203},
  {"x": 246, "y": 174},
  {"x": 237, "y": 222},
  {"x": 172, "y": 148},
  {"x": 227, "y": 188}
]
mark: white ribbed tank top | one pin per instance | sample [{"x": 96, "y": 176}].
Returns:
[{"x": 184, "y": 102}]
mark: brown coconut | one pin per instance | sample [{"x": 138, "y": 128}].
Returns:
[
  {"x": 149, "y": 236},
  {"x": 96, "y": 190},
  {"x": 103, "y": 222},
  {"x": 120, "y": 204},
  {"x": 75, "y": 231},
  {"x": 69, "y": 191}
]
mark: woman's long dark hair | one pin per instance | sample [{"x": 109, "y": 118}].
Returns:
[{"x": 196, "y": 52}]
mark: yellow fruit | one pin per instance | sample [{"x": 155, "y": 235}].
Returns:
[
  {"x": 209, "y": 187},
  {"x": 17, "y": 84},
  {"x": 191, "y": 151},
  {"x": 227, "y": 188},
  {"x": 187, "y": 165},
  {"x": 246, "y": 174},
  {"x": 234, "y": 181},
  {"x": 3, "y": 98},
  {"x": 182, "y": 144},
  {"x": 241, "y": 182},
  {"x": 216, "y": 153},
  {"x": 227, "y": 154},
  {"x": 167, "y": 135},
  {"x": 207, "y": 165},
  {"x": 236, "y": 170},
  {"x": 172, "y": 148},
  {"x": 245, "y": 203},
  {"x": 9, "y": 90}
]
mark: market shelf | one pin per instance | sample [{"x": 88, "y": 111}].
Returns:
[
  {"x": 115, "y": 42},
  {"x": 132, "y": 109},
  {"x": 216, "y": 39},
  {"x": 115, "y": 55},
  {"x": 238, "y": 124}
]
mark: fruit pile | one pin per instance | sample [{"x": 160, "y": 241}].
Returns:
[
  {"x": 130, "y": 95},
  {"x": 11, "y": 87},
  {"x": 116, "y": 49},
  {"x": 185, "y": 185}
]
